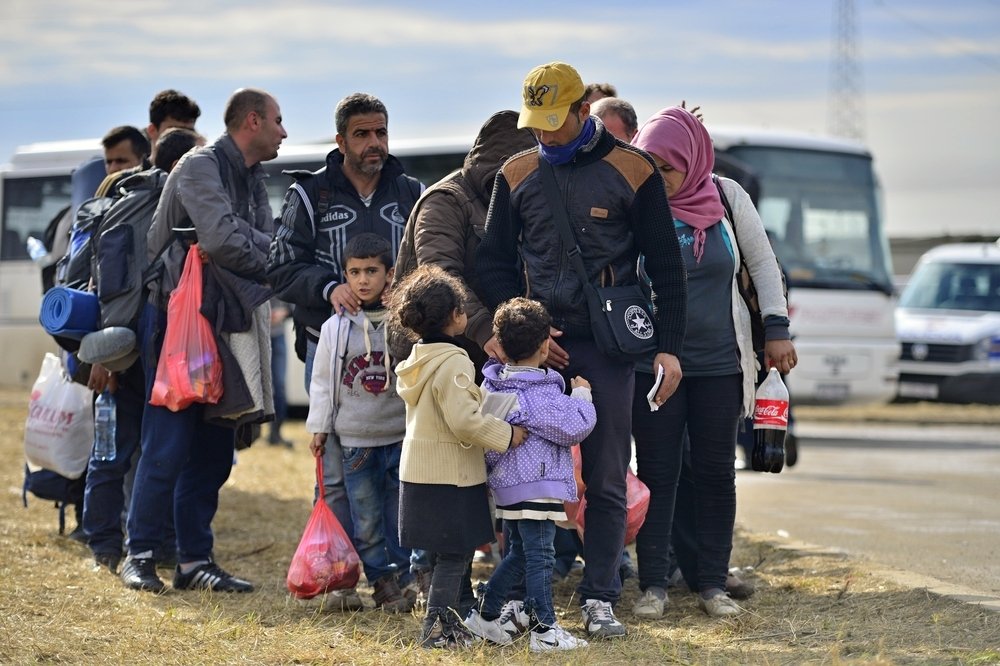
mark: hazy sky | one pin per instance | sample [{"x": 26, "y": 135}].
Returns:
[{"x": 930, "y": 72}]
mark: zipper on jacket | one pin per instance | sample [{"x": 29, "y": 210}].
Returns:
[{"x": 563, "y": 256}]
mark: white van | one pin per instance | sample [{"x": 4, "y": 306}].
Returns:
[{"x": 948, "y": 321}]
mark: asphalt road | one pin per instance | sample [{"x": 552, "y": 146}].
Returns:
[{"x": 924, "y": 499}]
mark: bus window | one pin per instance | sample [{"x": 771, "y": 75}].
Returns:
[
  {"x": 28, "y": 206},
  {"x": 822, "y": 216}
]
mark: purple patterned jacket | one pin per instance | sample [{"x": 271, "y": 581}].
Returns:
[{"x": 542, "y": 467}]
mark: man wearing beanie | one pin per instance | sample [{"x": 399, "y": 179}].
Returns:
[{"x": 617, "y": 208}]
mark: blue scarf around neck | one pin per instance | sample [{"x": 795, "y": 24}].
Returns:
[{"x": 556, "y": 155}]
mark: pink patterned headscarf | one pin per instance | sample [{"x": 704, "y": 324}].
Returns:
[{"x": 679, "y": 139}]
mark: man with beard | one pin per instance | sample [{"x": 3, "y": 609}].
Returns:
[{"x": 361, "y": 189}]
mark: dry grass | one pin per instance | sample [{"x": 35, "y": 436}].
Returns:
[{"x": 55, "y": 608}]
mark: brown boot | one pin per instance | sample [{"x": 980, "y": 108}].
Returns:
[
  {"x": 389, "y": 597},
  {"x": 418, "y": 588}
]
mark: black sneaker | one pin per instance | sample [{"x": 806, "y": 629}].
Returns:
[
  {"x": 210, "y": 576},
  {"x": 139, "y": 573},
  {"x": 109, "y": 560}
]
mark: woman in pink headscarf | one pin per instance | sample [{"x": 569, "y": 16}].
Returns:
[{"x": 718, "y": 362}]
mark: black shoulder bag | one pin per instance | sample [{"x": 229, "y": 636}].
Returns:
[{"x": 620, "y": 316}]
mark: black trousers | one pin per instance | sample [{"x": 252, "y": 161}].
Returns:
[{"x": 708, "y": 408}]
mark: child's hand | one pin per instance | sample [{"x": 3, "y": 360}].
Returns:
[
  {"x": 318, "y": 444},
  {"x": 579, "y": 382},
  {"x": 518, "y": 436}
]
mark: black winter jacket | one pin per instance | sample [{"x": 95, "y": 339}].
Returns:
[
  {"x": 617, "y": 206},
  {"x": 321, "y": 212}
]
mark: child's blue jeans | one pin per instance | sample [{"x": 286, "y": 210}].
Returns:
[
  {"x": 371, "y": 478},
  {"x": 531, "y": 556}
]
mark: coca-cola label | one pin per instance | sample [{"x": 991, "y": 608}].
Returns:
[{"x": 770, "y": 413}]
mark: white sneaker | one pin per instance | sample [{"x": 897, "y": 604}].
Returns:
[
  {"x": 719, "y": 606},
  {"x": 651, "y": 603},
  {"x": 599, "y": 620},
  {"x": 514, "y": 618},
  {"x": 488, "y": 630},
  {"x": 555, "y": 638}
]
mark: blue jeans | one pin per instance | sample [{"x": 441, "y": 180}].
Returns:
[
  {"x": 279, "y": 366},
  {"x": 184, "y": 463},
  {"x": 333, "y": 463},
  {"x": 104, "y": 496},
  {"x": 530, "y": 556},
  {"x": 371, "y": 477}
]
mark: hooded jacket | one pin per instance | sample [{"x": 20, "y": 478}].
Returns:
[
  {"x": 542, "y": 467},
  {"x": 449, "y": 220},
  {"x": 370, "y": 414},
  {"x": 446, "y": 430}
]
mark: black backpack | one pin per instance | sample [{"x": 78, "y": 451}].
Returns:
[
  {"x": 118, "y": 248},
  {"x": 48, "y": 485}
]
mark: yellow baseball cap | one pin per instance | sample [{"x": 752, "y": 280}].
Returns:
[{"x": 549, "y": 91}]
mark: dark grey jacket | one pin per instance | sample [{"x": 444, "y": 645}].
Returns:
[{"x": 232, "y": 219}]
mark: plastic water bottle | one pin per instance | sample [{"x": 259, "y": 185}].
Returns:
[
  {"x": 105, "y": 424},
  {"x": 770, "y": 422},
  {"x": 36, "y": 249}
]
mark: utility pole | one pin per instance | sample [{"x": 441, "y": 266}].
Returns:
[{"x": 845, "y": 115}]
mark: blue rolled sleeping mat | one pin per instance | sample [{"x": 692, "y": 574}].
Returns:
[{"x": 70, "y": 313}]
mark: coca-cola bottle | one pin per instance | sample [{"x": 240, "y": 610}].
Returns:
[{"x": 770, "y": 421}]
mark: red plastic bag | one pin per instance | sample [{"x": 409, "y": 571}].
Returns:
[
  {"x": 189, "y": 369},
  {"x": 325, "y": 559},
  {"x": 636, "y": 502}
]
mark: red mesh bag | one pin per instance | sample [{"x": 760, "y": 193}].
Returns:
[{"x": 325, "y": 559}]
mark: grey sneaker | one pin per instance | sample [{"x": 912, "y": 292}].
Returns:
[
  {"x": 651, "y": 603},
  {"x": 719, "y": 606},
  {"x": 344, "y": 600},
  {"x": 738, "y": 588},
  {"x": 599, "y": 619}
]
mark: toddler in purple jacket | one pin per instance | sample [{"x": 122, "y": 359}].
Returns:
[{"x": 531, "y": 482}]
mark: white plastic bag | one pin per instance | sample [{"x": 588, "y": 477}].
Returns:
[{"x": 59, "y": 432}]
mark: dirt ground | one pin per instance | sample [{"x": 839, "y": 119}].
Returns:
[{"x": 55, "y": 607}]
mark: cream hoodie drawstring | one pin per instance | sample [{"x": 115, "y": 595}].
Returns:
[{"x": 368, "y": 347}]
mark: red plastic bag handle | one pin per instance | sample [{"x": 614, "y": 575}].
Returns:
[{"x": 319, "y": 476}]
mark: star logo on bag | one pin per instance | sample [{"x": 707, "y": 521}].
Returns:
[{"x": 638, "y": 322}]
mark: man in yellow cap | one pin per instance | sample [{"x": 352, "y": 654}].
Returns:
[{"x": 617, "y": 209}]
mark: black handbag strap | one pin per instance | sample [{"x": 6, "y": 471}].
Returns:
[{"x": 558, "y": 208}]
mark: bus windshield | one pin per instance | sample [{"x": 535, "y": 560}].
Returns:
[
  {"x": 821, "y": 212},
  {"x": 28, "y": 206}
]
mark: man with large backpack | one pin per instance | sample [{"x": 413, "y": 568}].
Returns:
[
  {"x": 118, "y": 261},
  {"x": 362, "y": 188}
]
